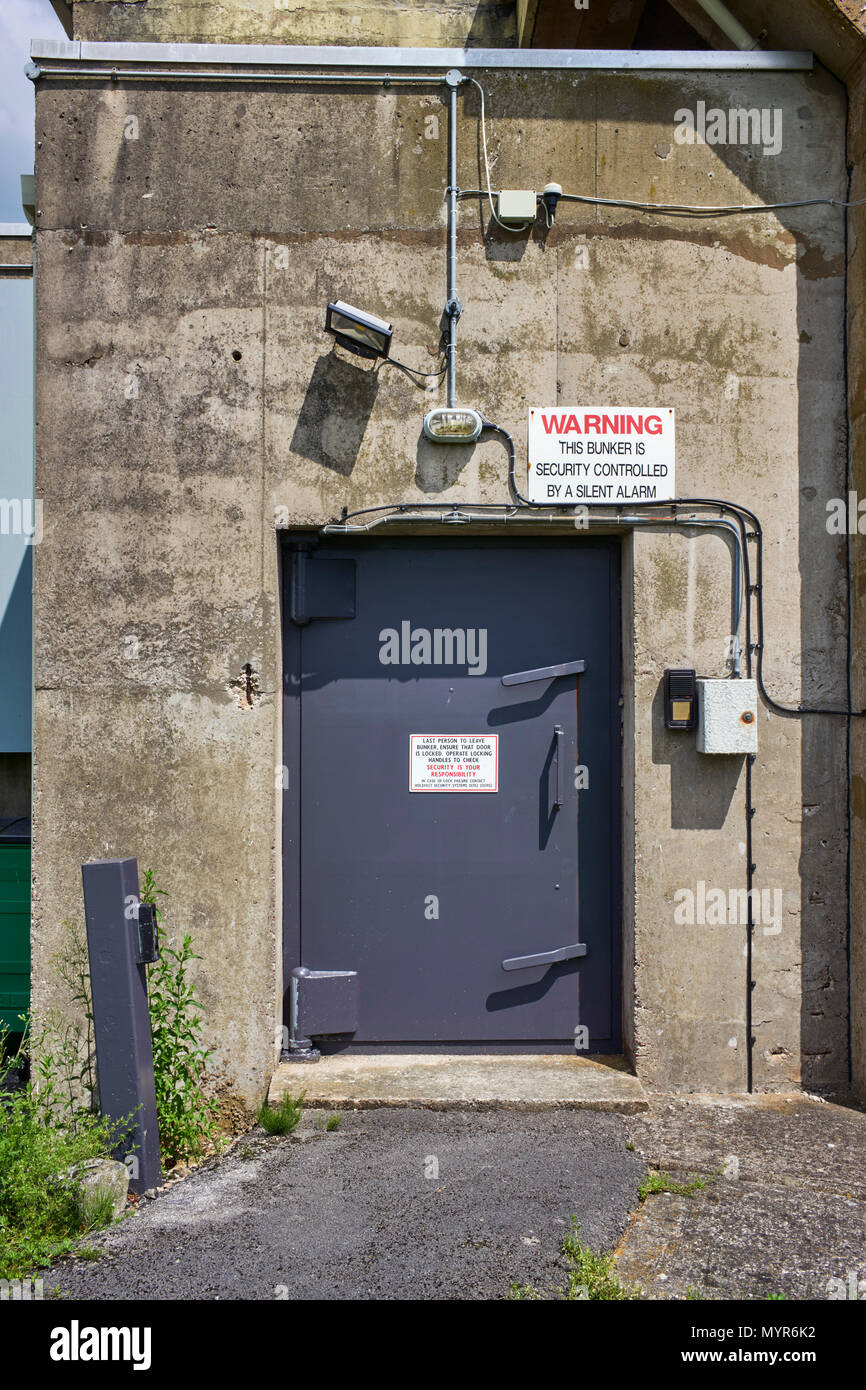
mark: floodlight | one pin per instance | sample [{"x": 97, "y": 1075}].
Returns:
[{"x": 361, "y": 333}]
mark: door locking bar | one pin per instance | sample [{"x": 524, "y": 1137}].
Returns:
[
  {"x": 545, "y": 673},
  {"x": 559, "y": 739},
  {"x": 545, "y": 957}
]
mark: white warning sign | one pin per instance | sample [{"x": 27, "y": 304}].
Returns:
[
  {"x": 601, "y": 454},
  {"x": 453, "y": 762}
]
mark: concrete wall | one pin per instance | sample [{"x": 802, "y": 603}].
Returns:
[
  {"x": 458, "y": 24},
  {"x": 857, "y": 396},
  {"x": 186, "y": 394}
]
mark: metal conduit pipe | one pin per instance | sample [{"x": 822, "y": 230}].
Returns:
[{"x": 729, "y": 24}]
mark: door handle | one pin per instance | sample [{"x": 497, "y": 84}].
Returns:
[
  {"x": 545, "y": 673},
  {"x": 545, "y": 957}
]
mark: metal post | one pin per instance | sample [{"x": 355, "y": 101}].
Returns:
[
  {"x": 453, "y": 308},
  {"x": 121, "y": 1014}
]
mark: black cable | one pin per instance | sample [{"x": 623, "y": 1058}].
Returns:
[
  {"x": 741, "y": 513},
  {"x": 413, "y": 371}
]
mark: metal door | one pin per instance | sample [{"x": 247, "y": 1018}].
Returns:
[{"x": 411, "y": 665}]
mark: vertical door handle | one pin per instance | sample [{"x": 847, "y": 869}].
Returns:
[{"x": 559, "y": 735}]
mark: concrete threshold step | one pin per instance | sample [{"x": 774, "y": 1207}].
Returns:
[{"x": 438, "y": 1081}]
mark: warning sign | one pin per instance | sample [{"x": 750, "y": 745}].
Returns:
[
  {"x": 453, "y": 762},
  {"x": 601, "y": 455}
]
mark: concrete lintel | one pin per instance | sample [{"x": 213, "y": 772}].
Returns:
[{"x": 437, "y": 59}]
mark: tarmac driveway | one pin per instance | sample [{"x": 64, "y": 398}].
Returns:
[
  {"x": 402, "y": 1203},
  {"x": 395, "y": 1204}
]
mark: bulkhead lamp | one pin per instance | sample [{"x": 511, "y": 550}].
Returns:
[
  {"x": 453, "y": 424},
  {"x": 361, "y": 333}
]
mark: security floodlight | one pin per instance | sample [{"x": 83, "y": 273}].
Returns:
[
  {"x": 453, "y": 425},
  {"x": 361, "y": 333}
]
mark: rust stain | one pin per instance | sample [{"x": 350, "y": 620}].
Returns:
[{"x": 813, "y": 261}]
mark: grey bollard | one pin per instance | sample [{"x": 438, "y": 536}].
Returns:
[{"x": 121, "y": 1016}]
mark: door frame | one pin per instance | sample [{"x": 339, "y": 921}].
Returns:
[{"x": 292, "y": 828}]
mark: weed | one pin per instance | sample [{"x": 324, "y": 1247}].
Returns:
[
  {"x": 95, "y": 1208},
  {"x": 525, "y": 1291},
  {"x": 333, "y": 1123},
  {"x": 185, "y": 1114},
  {"x": 663, "y": 1182},
  {"x": 591, "y": 1276},
  {"x": 44, "y": 1208},
  {"x": 283, "y": 1117}
]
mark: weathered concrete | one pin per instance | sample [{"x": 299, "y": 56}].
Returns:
[
  {"x": 857, "y": 446},
  {"x": 457, "y": 23},
  {"x": 437, "y": 1082},
  {"x": 784, "y": 1212},
  {"x": 186, "y": 398}
]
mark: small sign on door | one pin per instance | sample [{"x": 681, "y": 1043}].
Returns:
[{"x": 453, "y": 762}]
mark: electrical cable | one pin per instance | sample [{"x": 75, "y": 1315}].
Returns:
[
  {"x": 675, "y": 209},
  {"x": 504, "y": 225},
  {"x": 413, "y": 371},
  {"x": 685, "y": 209},
  {"x": 744, "y": 515}
]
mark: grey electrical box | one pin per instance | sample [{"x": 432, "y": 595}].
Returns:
[
  {"x": 727, "y": 716},
  {"x": 516, "y": 206}
]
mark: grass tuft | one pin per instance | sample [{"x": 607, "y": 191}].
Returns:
[{"x": 284, "y": 1117}]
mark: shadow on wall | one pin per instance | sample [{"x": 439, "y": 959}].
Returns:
[
  {"x": 334, "y": 416},
  {"x": 702, "y": 786},
  {"x": 438, "y": 466}
]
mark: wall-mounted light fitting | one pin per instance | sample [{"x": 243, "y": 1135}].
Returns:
[
  {"x": 550, "y": 198},
  {"x": 453, "y": 424},
  {"x": 361, "y": 333}
]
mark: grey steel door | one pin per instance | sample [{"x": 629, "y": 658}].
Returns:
[{"x": 395, "y": 654}]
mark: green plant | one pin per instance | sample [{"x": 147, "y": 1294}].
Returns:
[
  {"x": 73, "y": 1058},
  {"x": 525, "y": 1291},
  {"x": 591, "y": 1276},
  {"x": 663, "y": 1182},
  {"x": 95, "y": 1208},
  {"x": 630, "y": 1146},
  {"x": 185, "y": 1113},
  {"x": 44, "y": 1207},
  {"x": 333, "y": 1123},
  {"x": 283, "y": 1117}
]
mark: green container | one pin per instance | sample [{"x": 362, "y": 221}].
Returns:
[{"x": 14, "y": 931}]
